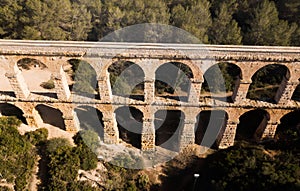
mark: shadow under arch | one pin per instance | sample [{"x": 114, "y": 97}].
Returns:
[
  {"x": 90, "y": 118},
  {"x": 173, "y": 80},
  {"x": 51, "y": 116},
  {"x": 84, "y": 78},
  {"x": 221, "y": 81},
  {"x": 168, "y": 129},
  {"x": 289, "y": 127},
  {"x": 210, "y": 124},
  {"x": 130, "y": 125},
  {"x": 7, "y": 109},
  {"x": 252, "y": 125},
  {"x": 296, "y": 93},
  {"x": 266, "y": 82},
  {"x": 127, "y": 79},
  {"x": 29, "y": 63}
]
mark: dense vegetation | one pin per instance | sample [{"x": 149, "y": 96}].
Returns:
[
  {"x": 266, "y": 22},
  {"x": 249, "y": 167},
  {"x": 269, "y": 166},
  {"x": 273, "y": 165},
  {"x": 17, "y": 155}
]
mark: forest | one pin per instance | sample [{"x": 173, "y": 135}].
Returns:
[{"x": 248, "y": 22}]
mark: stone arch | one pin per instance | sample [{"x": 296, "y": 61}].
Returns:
[
  {"x": 37, "y": 76},
  {"x": 210, "y": 124},
  {"x": 267, "y": 81},
  {"x": 252, "y": 125},
  {"x": 130, "y": 125},
  {"x": 82, "y": 78},
  {"x": 193, "y": 65},
  {"x": 127, "y": 79},
  {"x": 7, "y": 109},
  {"x": 51, "y": 116},
  {"x": 90, "y": 118},
  {"x": 173, "y": 80},
  {"x": 220, "y": 79},
  {"x": 289, "y": 127},
  {"x": 168, "y": 128}
]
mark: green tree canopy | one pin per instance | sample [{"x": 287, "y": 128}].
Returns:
[
  {"x": 194, "y": 17},
  {"x": 119, "y": 14},
  {"x": 224, "y": 29},
  {"x": 266, "y": 28}
]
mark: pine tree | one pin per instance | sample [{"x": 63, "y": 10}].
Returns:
[
  {"x": 289, "y": 10},
  {"x": 266, "y": 28},
  {"x": 194, "y": 17},
  {"x": 225, "y": 29},
  {"x": 120, "y": 14},
  {"x": 296, "y": 37},
  {"x": 10, "y": 11},
  {"x": 94, "y": 7},
  {"x": 46, "y": 20}
]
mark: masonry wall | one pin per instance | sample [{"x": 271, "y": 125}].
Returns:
[{"x": 249, "y": 60}]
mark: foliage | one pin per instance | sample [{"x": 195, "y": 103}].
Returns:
[
  {"x": 87, "y": 143},
  {"x": 176, "y": 77},
  {"x": 143, "y": 182},
  {"x": 125, "y": 179},
  {"x": 221, "y": 78},
  {"x": 194, "y": 17},
  {"x": 48, "y": 85},
  {"x": 37, "y": 137},
  {"x": 264, "y": 85},
  {"x": 47, "y": 20},
  {"x": 119, "y": 14},
  {"x": 55, "y": 144},
  {"x": 84, "y": 76},
  {"x": 266, "y": 22},
  {"x": 17, "y": 156},
  {"x": 126, "y": 78},
  {"x": 82, "y": 186},
  {"x": 266, "y": 28},
  {"x": 88, "y": 138},
  {"x": 63, "y": 164},
  {"x": 64, "y": 161},
  {"x": 224, "y": 29},
  {"x": 246, "y": 167}
]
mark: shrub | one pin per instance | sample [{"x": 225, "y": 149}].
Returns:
[
  {"x": 37, "y": 137},
  {"x": 82, "y": 186},
  {"x": 88, "y": 159},
  {"x": 48, "y": 85},
  {"x": 88, "y": 138},
  {"x": 17, "y": 156},
  {"x": 64, "y": 166},
  {"x": 143, "y": 182}
]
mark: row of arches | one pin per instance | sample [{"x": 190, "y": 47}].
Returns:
[
  {"x": 168, "y": 124},
  {"x": 172, "y": 80}
]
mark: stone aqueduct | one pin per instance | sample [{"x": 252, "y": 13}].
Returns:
[{"x": 149, "y": 57}]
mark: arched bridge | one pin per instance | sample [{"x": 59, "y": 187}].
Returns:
[{"x": 48, "y": 60}]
